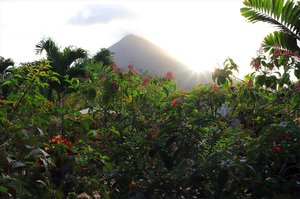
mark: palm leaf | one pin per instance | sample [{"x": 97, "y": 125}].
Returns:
[
  {"x": 70, "y": 54},
  {"x": 284, "y": 15},
  {"x": 5, "y": 63},
  {"x": 282, "y": 39},
  {"x": 49, "y": 46}
]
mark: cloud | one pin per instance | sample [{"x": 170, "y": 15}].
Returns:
[{"x": 95, "y": 13}]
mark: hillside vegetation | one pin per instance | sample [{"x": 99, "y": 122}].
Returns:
[{"x": 75, "y": 126}]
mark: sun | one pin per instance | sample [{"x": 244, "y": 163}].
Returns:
[
  {"x": 195, "y": 68},
  {"x": 197, "y": 64}
]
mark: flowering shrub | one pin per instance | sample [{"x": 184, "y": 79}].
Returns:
[
  {"x": 58, "y": 140},
  {"x": 124, "y": 135},
  {"x": 169, "y": 75}
]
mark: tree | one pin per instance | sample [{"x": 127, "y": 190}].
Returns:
[
  {"x": 104, "y": 56},
  {"x": 4, "y": 64},
  {"x": 65, "y": 62},
  {"x": 285, "y": 15}
]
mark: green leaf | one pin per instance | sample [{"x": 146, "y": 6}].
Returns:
[
  {"x": 18, "y": 76},
  {"x": 92, "y": 133},
  {"x": 108, "y": 166},
  {"x": 166, "y": 91},
  {"x": 116, "y": 132},
  {"x": 91, "y": 94},
  {"x": 16, "y": 165},
  {"x": 38, "y": 151},
  {"x": 58, "y": 194},
  {"x": 225, "y": 85},
  {"x": 260, "y": 80},
  {"x": 3, "y": 189},
  {"x": 221, "y": 80},
  {"x": 271, "y": 82},
  {"x": 6, "y": 83},
  {"x": 42, "y": 183},
  {"x": 85, "y": 124},
  {"x": 105, "y": 194}
]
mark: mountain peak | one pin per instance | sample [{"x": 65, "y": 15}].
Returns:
[
  {"x": 139, "y": 43},
  {"x": 148, "y": 57},
  {"x": 132, "y": 36}
]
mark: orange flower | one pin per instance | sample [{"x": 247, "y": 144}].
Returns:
[
  {"x": 56, "y": 139},
  {"x": 174, "y": 102}
]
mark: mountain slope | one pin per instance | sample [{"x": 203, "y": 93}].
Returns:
[{"x": 147, "y": 57}]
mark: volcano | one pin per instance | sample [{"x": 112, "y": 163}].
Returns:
[{"x": 149, "y": 58}]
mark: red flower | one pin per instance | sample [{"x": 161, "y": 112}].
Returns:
[
  {"x": 66, "y": 142},
  {"x": 169, "y": 75},
  {"x": 216, "y": 89},
  {"x": 132, "y": 185},
  {"x": 58, "y": 140},
  {"x": 276, "y": 148},
  {"x": 146, "y": 80},
  {"x": 132, "y": 70}
]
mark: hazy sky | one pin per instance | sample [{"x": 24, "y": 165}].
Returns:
[{"x": 201, "y": 34}]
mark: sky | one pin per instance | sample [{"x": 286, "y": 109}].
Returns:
[{"x": 199, "y": 33}]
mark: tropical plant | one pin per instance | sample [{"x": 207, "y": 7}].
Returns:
[
  {"x": 4, "y": 64},
  {"x": 104, "y": 56},
  {"x": 63, "y": 63},
  {"x": 285, "y": 15},
  {"x": 142, "y": 138},
  {"x": 282, "y": 45}
]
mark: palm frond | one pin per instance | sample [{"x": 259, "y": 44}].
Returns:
[
  {"x": 71, "y": 54},
  {"x": 5, "y": 63},
  {"x": 284, "y": 15},
  {"x": 48, "y": 45},
  {"x": 282, "y": 39}
]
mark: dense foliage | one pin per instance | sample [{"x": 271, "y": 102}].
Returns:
[{"x": 103, "y": 132}]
